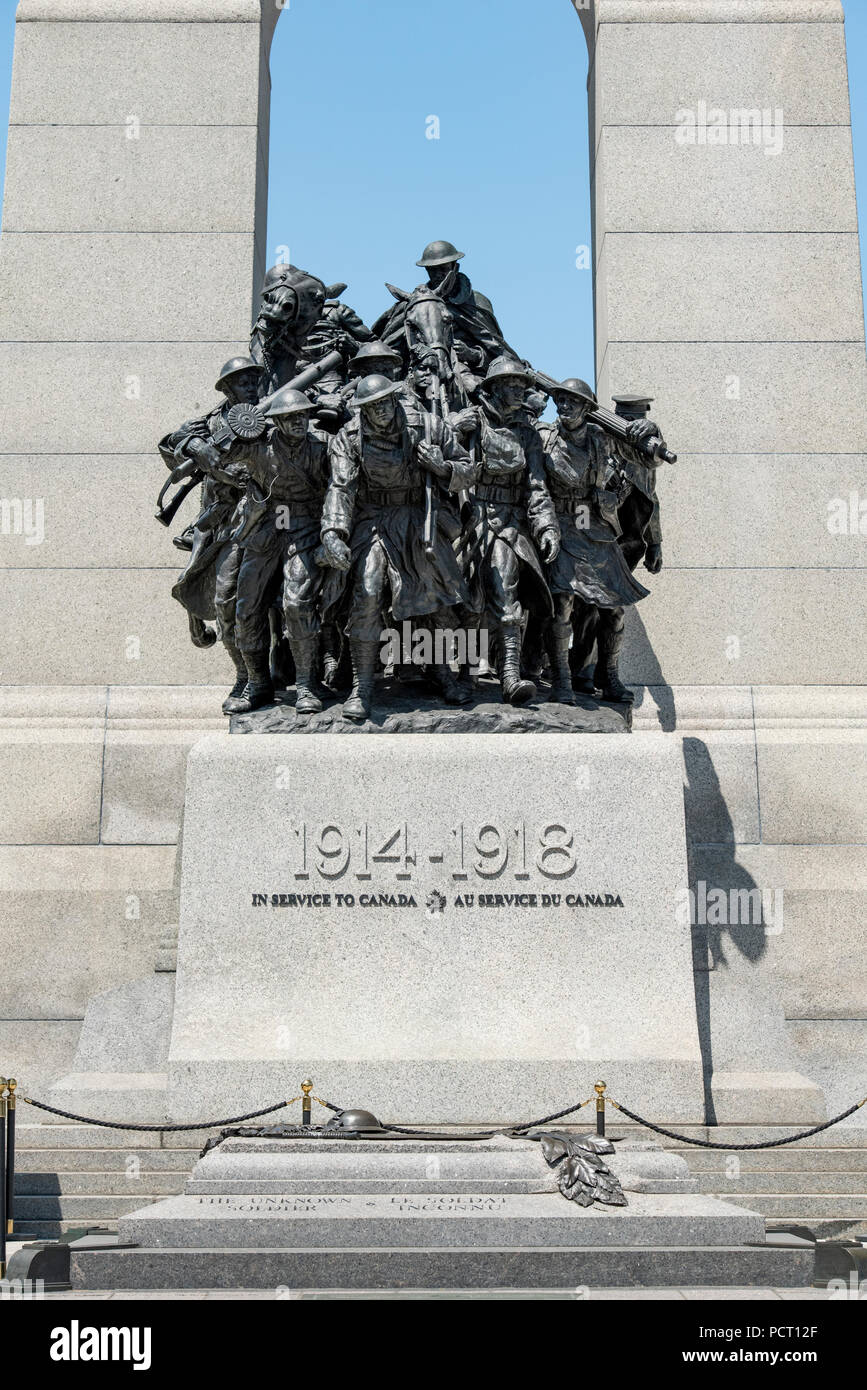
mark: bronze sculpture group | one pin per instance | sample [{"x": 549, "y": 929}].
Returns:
[{"x": 354, "y": 479}]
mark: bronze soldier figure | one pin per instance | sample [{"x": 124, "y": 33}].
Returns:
[
  {"x": 374, "y": 359},
  {"x": 512, "y": 514},
  {"x": 338, "y": 328},
  {"x": 277, "y": 540},
  {"x": 638, "y": 519},
  {"x": 589, "y": 579},
  {"x": 192, "y": 450},
  {"x": 373, "y": 527},
  {"x": 478, "y": 337},
  {"x": 639, "y": 516}
]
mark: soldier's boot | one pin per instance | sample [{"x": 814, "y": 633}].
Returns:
[
  {"x": 533, "y": 655},
  {"x": 468, "y": 682},
  {"x": 454, "y": 692},
  {"x": 606, "y": 675},
  {"x": 452, "y": 687},
  {"x": 358, "y": 706},
  {"x": 259, "y": 689},
  {"x": 305, "y": 651},
  {"x": 241, "y": 676},
  {"x": 515, "y": 690},
  {"x": 558, "y": 646},
  {"x": 583, "y": 640}
]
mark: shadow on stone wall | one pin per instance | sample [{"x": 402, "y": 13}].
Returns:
[
  {"x": 719, "y": 937},
  {"x": 640, "y": 663}
]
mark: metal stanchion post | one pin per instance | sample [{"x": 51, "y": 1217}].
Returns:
[
  {"x": 2, "y": 1177},
  {"x": 10, "y": 1155},
  {"x": 306, "y": 1103},
  {"x": 599, "y": 1088}
]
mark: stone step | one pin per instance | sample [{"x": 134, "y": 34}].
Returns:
[
  {"x": 71, "y": 1136},
  {"x": 97, "y": 1184},
  {"x": 434, "y": 1267},
  {"x": 83, "y": 1210},
  {"x": 801, "y": 1206},
  {"x": 796, "y": 1159},
  {"x": 53, "y": 1228},
  {"x": 178, "y": 1161},
  {"x": 837, "y": 1137},
  {"x": 852, "y": 1184}
]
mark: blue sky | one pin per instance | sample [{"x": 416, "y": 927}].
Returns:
[{"x": 357, "y": 189}]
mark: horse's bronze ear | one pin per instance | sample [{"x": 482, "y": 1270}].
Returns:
[
  {"x": 398, "y": 294},
  {"x": 335, "y": 291}
]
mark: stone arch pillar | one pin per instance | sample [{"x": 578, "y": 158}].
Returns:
[{"x": 133, "y": 241}]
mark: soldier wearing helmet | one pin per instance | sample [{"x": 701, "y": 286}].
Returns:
[
  {"x": 375, "y": 359},
  {"x": 201, "y": 442},
  {"x": 373, "y": 527},
  {"x": 512, "y": 516},
  {"x": 372, "y": 359},
  {"x": 478, "y": 337},
  {"x": 590, "y": 580},
  {"x": 287, "y": 473}
]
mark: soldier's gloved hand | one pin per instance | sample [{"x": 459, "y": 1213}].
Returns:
[
  {"x": 203, "y": 451},
  {"x": 549, "y": 545},
  {"x": 431, "y": 458},
  {"x": 472, "y": 356},
  {"x": 337, "y": 553},
  {"x": 653, "y": 559},
  {"x": 237, "y": 475},
  {"x": 465, "y": 421},
  {"x": 639, "y": 430}
]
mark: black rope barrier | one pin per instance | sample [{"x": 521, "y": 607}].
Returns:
[
  {"x": 710, "y": 1144},
  {"x": 487, "y": 1133},
  {"x": 547, "y": 1119},
  {"x": 155, "y": 1129},
  {"x": 516, "y": 1130}
]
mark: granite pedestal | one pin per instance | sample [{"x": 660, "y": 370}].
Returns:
[
  {"x": 439, "y": 928},
  {"x": 416, "y": 1213}
]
